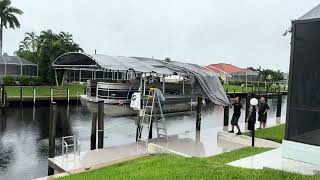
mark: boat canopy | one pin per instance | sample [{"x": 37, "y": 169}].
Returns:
[{"x": 204, "y": 82}]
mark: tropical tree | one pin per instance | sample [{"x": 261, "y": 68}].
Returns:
[
  {"x": 44, "y": 48},
  {"x": 8, "y": 18}
]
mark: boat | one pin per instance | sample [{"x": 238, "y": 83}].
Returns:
[
  {"x": 114, "y": 79},
  {"x": 117, "y": 97}
]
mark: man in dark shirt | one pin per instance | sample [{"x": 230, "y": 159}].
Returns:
[
  {"x": 263, "y": 109},
  {"x": 236, "y": 115}
]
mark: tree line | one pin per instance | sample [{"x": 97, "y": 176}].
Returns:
[
  {"x": 264, "y": 74},
  {"x": 44, "y": 48}
]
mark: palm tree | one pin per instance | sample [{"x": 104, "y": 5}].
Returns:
[{"x": 8, "y": 18}]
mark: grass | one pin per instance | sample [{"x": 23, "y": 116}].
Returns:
[
  {"x": 45, "y": 90},
  {"x": 177, "y": 167},
  {"x": 275, "y": 133},
  {"x": 235, "y": 88}
]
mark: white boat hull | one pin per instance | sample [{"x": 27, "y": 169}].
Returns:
[{"x": 112, "y": 109}]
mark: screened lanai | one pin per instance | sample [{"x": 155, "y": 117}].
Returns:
[{"x": 16, "y": 66}]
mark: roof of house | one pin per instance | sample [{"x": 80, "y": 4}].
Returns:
[{"x": 226, "y": 68}]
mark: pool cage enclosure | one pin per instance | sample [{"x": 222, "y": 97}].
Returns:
[
  {"x": 302, "y": 138},
  {"x": 17, "y": 67}
]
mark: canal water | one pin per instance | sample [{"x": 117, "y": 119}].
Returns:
[{"x": 24, "y": 133}]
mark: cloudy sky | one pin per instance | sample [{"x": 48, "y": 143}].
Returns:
[{"x": 244, "y": 33}]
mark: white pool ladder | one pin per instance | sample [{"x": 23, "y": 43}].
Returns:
[{"x": 70, "y": 142}]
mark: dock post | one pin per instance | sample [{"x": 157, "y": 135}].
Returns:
[
  {"x": 2, "y": 95},
  {"x": 94, "y": 131},
  {"x": 248, "y": 98},
  {"x": 51, "y": 95},
  {"x": 100, "y": 124},
  {"x": 34, "y": 95},
  {"x": 21, "y": 95},
  {"x": 199, "y": 111},
  {"x": 234, "y": 93},
  {"x": 226, "y": 116},
  {"x": 52, "y": 134},
  {"x": 68, "y": 95},
  {"x": 279, "y": 103},
  {"x": 150, "y": 129},
  {"x": 139, "y": 129}
]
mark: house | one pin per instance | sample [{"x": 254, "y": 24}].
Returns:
[{"x": 233, "y": 73}]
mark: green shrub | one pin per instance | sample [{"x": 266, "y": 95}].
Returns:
[
  {"x": 9, "y": 80},
  {"x": 36, "y": 80},
  {"x": 25, "y": 80}
]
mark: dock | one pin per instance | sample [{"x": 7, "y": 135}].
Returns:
[
  {"x": 189, "y": 144},
  {"x": 88, "y": 160}
]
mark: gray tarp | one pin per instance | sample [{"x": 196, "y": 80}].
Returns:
[{"x": 204, "y": 82}]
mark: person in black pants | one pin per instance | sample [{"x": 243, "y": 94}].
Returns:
[
  {"x": 263, "y": 110},
  {"x": 236, "y": 115}
]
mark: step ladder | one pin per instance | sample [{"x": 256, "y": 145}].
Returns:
[{"x": 152, "y": 112}]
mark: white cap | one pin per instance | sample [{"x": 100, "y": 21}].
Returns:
[{"x": 254, "y": 101}]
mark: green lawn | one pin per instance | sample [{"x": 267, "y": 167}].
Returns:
[
  {"x": 177, "y": 167},
  {"x": 235, "y": 88},
  {"x": 275, "y": 133},
  {"x": 45, "y": 90}
]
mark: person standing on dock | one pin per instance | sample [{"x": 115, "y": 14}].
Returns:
[
  {"x": 263, "y": 110},
  {"x": 237, "y": 106}
]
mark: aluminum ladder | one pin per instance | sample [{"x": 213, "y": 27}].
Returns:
[{"x": 152, "y": 112}]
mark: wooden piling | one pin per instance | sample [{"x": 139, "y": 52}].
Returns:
[
  {"x": 279, "y": 103},
  {"x": 2, "y": 95},
  {"x": 100, "y": 124},
  {"x": 21, "y": 95},
  {"x": 94, "y": 131},
  {"x": 199, "y": 111},
  {"x": 34, "y": 95},
  {"x": 52, "y": 134},
  {"x": 248, "y": 98},
  {"x": 51, "y": 95},
  {"x": 68, "y": 95},
  {"x": 226, "y": 116}
]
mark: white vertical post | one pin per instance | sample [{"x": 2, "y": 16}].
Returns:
[
  {"x": 163, "y": 84},
  {"x": 51, "y": 95},
  {"x": 144, "y": 84},
  {"x": 183, "y": 86},
  {"x": 68, "y": 95},
  {"x": 34, "y": 95}
]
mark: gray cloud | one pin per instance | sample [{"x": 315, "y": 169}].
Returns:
[{"x": 244, "y": 33}]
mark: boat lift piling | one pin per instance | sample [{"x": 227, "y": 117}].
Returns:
[
  {"x": 21, "y": 96},
  {"x": 94, "y": 131},
  {"x": 279, "y": 103},
  {"x": 100, "y": 124},
  {"x": 226, "y": 116},
  {"x": 52, "y": 134},
  {"x": 199, "y": 112}
]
